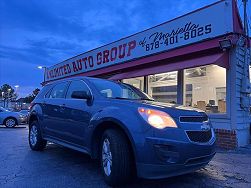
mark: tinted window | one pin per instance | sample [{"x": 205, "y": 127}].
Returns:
[
  {"x": 47, "y": 95},
  {"x": 43, "y": 92},
  {"x": 59, "y": 90},
  {"x": 3, "y": 109},
  {"x": 112, "y": 89},
  {"x": 76, "y": 86}
]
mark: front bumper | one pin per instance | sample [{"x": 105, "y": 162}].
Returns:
[
  {"x": 150, "y": 171},
  {"x": 166, "y": 157},
  {"x": 22, "y": 120}
]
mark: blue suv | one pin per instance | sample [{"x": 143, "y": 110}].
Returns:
[{"x": 121, "y": 126}]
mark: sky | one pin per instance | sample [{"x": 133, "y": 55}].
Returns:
[{"x": 42, "y": 33}]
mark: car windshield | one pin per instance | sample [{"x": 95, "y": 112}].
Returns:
[
  {"x": 3, "y": 109},
  {"x": 23, "y": 111},
  {"x": 117, "y": 90}
]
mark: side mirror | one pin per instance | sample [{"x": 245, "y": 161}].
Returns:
[{"x": 81, "y": 95}]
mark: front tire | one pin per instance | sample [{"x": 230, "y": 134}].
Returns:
[
  {"x": 36, "y": 141},
  {"x": 10, "y": 122},
  {"x": 116, "y": 158}
]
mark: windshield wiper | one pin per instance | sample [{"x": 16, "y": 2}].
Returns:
[
  {"x": 146, "y": 99},
  {"x": 119, "y": 98}
]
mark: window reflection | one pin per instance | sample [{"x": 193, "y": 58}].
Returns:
[
  {"x": 136, "y": 82},
  {"x": 163, "y": 87},
  {"x": 205, "y": 87}
]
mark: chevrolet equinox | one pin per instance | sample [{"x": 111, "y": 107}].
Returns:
[{"x": 121, "y": 126}]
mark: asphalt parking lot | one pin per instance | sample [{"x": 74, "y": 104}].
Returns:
[{"x": 61, "y": 167}]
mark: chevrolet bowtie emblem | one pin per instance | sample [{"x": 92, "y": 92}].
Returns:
[{"x": 205, "y": 126}]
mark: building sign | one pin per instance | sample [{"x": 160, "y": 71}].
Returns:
[{"x": 210, "y": 22}]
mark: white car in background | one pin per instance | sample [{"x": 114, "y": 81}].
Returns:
[
  {"x": 25, "y": 112},
  {"x": 11, "y": 119}
]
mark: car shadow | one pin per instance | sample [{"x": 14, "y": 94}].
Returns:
[{"x": 17, "y": 127}]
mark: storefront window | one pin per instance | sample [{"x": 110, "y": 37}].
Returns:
[
  {"x": 136, "y": 82},
  {"x": 163, "y": 87},
  {"x": 206, "y": 88}
]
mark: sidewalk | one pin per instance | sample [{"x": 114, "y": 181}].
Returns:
[{"x": 232, "y": 168}]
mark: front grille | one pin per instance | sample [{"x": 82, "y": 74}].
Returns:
[
  {"x": 199, "y": 136},
  {"x": 193, "y": 118}
]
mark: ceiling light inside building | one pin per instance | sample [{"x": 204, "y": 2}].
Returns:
[{"x": 225, "y": 44}]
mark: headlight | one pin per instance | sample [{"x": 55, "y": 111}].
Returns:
[{"x": 156, "y": 118}]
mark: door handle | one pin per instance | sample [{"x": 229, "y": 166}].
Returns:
[
  {"x": 43, "y": 103},
  {"x": 62, "y": 107}
]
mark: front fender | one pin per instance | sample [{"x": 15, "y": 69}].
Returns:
[
  {"x": 128, "y": 120},
  {"x": 125, "y": 117},
  {"x": 35, "y": 111}
]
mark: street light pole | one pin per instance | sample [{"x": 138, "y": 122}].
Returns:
[
  {"x": 44, "y": 73},
  {"x": 16, "y": 95},
  {"x": 45, "y": 68},
  {"x": 8, "y": 98},
  {"x": 3, "y": 99},
  {"x": 16, "y": 86},
  {"x": 245, "y": 16}
]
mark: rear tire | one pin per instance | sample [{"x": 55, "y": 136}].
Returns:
[
  {"x": 116, "y": 158},
  {"x": 10, "y": 122},
  {"x": 36, "y": 141}
]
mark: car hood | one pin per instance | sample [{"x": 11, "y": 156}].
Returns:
[
  {"x": 9, "y": 114},
  {"x": 15, "y": 114},
  {"x": 173, "y": 110}
]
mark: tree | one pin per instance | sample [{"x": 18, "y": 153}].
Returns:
[
  {"x": 7, "y": 93},
  {"x": 30, "y": 97}
]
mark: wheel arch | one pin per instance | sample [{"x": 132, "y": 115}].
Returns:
[
  {"x": 10, "y": 117},
  {"x": 33, "y": 117},
  {"x": 101, "y": 128}
]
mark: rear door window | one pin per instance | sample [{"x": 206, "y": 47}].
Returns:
[
  {"x": 47, "y": 95},
  {"x": 59, "y": 90},
  {"x": 43, "y": 92},
  {"x": 76, "y": 86}
]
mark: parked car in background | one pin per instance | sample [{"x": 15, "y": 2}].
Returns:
[
  {"x": 10, "y": 109},
  {"x": 11, "y": 119},
  {"x": 126, "y": 129},
  {"x": 25, "y": 112}
]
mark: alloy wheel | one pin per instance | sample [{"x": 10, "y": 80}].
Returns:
[
  {"x": 106, "y": 157},
  {"x": 10, "y": 123},
  {"x": 33, "y": 135}
]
